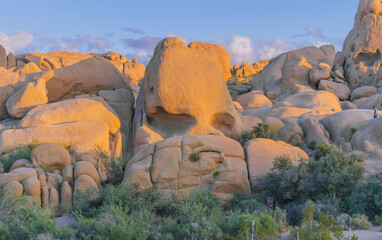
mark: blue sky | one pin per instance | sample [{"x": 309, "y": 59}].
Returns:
[{"x": 251, "y": 30}]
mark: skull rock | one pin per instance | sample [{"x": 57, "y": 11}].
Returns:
[
  {"x": 184, "y": 93},
  {"x": 362, "y": 47}
]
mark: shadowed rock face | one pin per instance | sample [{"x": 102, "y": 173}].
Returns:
[
  {"x": 362, "y": 47},
  {"x": 184, "y": 93}
]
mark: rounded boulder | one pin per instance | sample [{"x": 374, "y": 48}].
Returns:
[{"x": 50, "y": 156}]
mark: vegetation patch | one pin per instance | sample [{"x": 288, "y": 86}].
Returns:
[
  {"x": 194, "y": 157},
  {"x": 259, "y": 131}
]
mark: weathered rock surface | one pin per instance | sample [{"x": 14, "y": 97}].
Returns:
[
  {"x": 50, "y": 156},
  {"x": 72, "y": 110},
  {"x": 32, "y": 189},
  {"x": 3, "y": 57},
  {"x": 122, "y": 102},
  {"x": 180, "y": 164},
  {"x": 86, "y": 168},
  {"x": 90, "y": 75},
  {"x": 30, "y": 67},
  {"x": 27, "y": 97},
  {"x": 337, "y": 123},
  {"x": 21, "y": 163},
  {"x": 254, "y": 100},
  {"x": 84, "y": 134},
  {"x": 134, "y": 71},
  {"x": 83, "y": 183},
  {"x": 294, "y": 67},
  {"x": 319, "y": 72},
  {"x": 216, "y": 52},
  {"x": 260, "y": 154},
  {"x": 172, "y": 105},
  {"x": 19, "y": 174},
  {"x": 360, "y": 58},
  {"x": 15, "y": 187},
  {"x": 363, "y": 92},
  {"x": 342, "y": 91}
]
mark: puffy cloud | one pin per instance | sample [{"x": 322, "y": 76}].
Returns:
[
  {"x": 146, "y": 42},
  {"x": 17, "y": 41},
  {"x": 90, "y": 43},
  {"x": 143, "y": 56},
  {"x": 133, "y": 30},
  {"x": 242, "y": 49},
  {"x": 269, "y": 49}
]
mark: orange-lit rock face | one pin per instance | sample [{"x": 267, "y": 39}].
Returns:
[
  {"x": 362, "y": 47},
  {"x": 185, "y": 93}
]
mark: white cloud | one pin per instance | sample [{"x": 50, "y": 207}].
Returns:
[
  {"x": 271, "y": 49},
  {"x": 242, "y": 49},
  {"x": 88, "y": 43},
  {"x": 17, "y": 41},
  {"x": 143, "y": 56}
]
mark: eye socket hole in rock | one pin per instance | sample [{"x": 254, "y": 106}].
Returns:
[
  {"x": 368, "y": 59},
  {"x": 223, "y": 122},
  {"x": 168, "y": 124}
]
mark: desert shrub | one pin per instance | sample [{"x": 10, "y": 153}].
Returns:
[
  {"x": 295, "y": 213},
  {"x": 377, "y": 220},
  {"x": 22, "y": 152},
  {"x": 366, "y": 198},
  {"x": 312, "y": 145},
  {"x": 334, "y": 173},
  {"x": 246, "y": 204},
  {"x": 22, "y": 219},
  {"x": 259, "y": 131},
  {"x": 114, "y": 167},
  {"x": 357, "y": 156},
  {"x": 194, "y": 157},
  {"x": 358, "y": 221},
  {"x": 115, "y": 222},
  {"x": 197, "y": 217},
  {"x": 322, "y": 150},
  {"x": 312, "y": 229},
  {"x": 239, "y": 226}
]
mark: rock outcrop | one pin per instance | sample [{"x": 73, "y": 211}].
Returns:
[
  {"x": 360, "y": 59},
  {"x": 184, "y": 93},
  {"x": 261, "y": 153},
  {"x": 302, "y": 66},
  {"x": 181, "y": 164}
]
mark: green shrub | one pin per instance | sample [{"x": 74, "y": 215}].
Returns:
[
  {"x": 240, "y": 226},
  {"x": 334, "y": 173},
  {"x": 295, "y": 213},
  {"x": 216, "y": 174},
  {"x": 259, "y": 131},
  {"x": 113, "y": 167},
  {"x": 312, "y": 145},
  {"x": 115, "y": 222},
  {"x": 358, "y": 221},
  {"x": 377, "y": 220},
  {"x": 366, "y": 198},
  {"x": 311, "y": 229},
  {"x": 21, "y": 219},
  {"x": 194, "y": 157},
  {"x": 245, "y": 204},
  {"x": 22, "y": 152}
]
